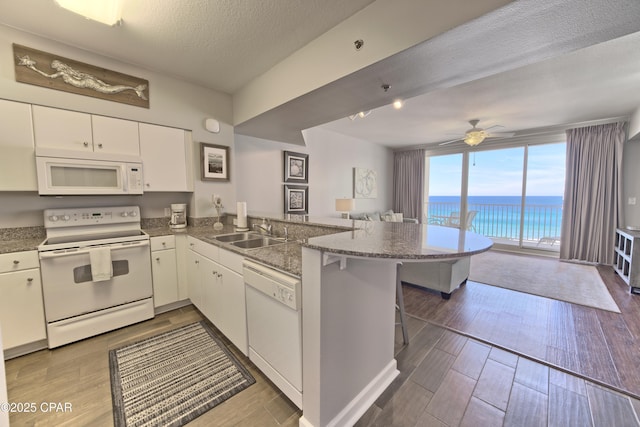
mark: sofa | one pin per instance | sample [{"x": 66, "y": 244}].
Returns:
[
  {"x": 443, "y": 276},
  {"x": 388, "y": 216}
]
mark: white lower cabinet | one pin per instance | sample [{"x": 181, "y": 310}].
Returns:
[
  {"x": 164, "y": 270},
  {"x": 195, "y": 265},
  {"x": 217, "y": 290},
  {"x": 21, "y": 307},
  {"x": 227, "y": 305}
]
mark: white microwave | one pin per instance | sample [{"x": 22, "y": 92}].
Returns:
[{"x": 68, "y": 176}]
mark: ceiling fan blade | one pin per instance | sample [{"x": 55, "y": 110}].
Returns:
[
  {"x": 500, "y": 134},
  {"x": 451, "y": 141}
]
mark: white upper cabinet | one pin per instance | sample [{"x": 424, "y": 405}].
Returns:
[
  {"x": 81, "y": 132},
  {"x": 112, "y": 135},
  {"x": 17, "y": 161},
  {"x": 164, "y": 153},
  {"x": 62, "y": 129}
]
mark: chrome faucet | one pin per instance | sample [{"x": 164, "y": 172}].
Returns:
[{"x": 265, "y": 227}]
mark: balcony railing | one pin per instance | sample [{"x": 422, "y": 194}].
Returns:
[{"x": 501, "y": 222}]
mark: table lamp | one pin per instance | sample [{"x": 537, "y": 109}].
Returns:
[{"x": 345, "y": 206}]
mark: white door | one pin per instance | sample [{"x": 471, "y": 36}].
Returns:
[
  {"x": 62, "y": 129},
  {"x": 164, "y": 159},
  {"x": 115, "y": 136},
  {"x": 17, "y": 162},
  {"x": 165, "y": 278},
  {"x": 21, "y": 310}
]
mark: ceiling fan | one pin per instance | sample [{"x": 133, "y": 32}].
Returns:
[{"x": 476, "y": 135}]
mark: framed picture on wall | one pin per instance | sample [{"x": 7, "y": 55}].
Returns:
[
  {"x": 214, "y": 162},
  {"x": 296, "y": 199},
  {"x": 296, "y": 167},
  {"x": 365, "y": 183}
]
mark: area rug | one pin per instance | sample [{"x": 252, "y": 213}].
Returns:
[
  {"x": 172, "y": 378},
  {"x": 546, "y": 277}
]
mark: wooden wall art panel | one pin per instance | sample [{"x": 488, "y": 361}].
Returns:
[{"x": 56, "y": 72}]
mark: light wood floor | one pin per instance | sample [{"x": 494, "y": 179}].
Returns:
[
  {"x": 447, "y": 378},
  {"x": 79, "y": 374}
]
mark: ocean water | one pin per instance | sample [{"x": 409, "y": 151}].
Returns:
[{"x": 500, "y": 216}]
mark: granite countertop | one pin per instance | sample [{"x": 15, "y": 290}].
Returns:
[
  {"x": 402, "y": 241},
  {"x": 20, "y": 244},
  {"x": 286, "y": 257}
]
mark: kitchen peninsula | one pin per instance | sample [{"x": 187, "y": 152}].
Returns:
[{"x": 348, "y": 311}]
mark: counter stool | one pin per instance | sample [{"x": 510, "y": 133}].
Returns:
[{"x": 400, "y": 306}]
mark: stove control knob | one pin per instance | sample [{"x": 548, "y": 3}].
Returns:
[
  {"x": 53, "y": 218},
  {"x": 125, "y": 214},
  {"x": 66, "y": 218},
  {"x": 133, "y": 213}
]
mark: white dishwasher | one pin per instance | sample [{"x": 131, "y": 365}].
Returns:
[{"x": 274, "y": 327}]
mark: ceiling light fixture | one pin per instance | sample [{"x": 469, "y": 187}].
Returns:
[
  {"x": 108, "y": 12},
  {"x": 397, "y": 104},
  {"x": 474, "y": 137},
  {"x": 361, "y": 114}
]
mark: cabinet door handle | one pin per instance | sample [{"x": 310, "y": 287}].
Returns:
[
  {"x": 16, "y": 262},
  {"x": 158, "y": 259},
  {"x": 86, "y": 144},
  {"x": 164, "y": 243},
  {"x": 100, "y": 145},
  {"x": 30, "y": 280},
  {"x": 197, "y": 262},
  {"x": 219, "y": 275}
]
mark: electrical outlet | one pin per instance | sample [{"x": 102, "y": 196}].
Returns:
[
  {"x": 632, "y": 200},
  {"x": 167, "y": 211}
]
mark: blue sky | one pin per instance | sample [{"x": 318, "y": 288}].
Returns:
[{"x": 499, "y": 172}]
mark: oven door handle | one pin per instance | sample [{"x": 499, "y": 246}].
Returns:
[{"x": 113, "y": 246}]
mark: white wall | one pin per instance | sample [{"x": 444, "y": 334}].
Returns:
[
  {"x": 173, "y": 103},
  {"x": 332, "y": 158},
  {"x": 631, "y": 183}
]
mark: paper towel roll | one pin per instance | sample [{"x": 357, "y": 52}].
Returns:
[{"x": 241, "y": 211}]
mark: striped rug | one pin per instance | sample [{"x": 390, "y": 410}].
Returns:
[{"x": 172, "y": 378}]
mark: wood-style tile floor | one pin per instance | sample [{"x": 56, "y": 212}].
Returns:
[
  {"x": 598, "y": 344},
  {"x": 78, "y": 373},
  {"x": 447, "y": 378}
]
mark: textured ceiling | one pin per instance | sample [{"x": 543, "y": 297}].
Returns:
[
  {"x": 524, "y": 66},
  {"x": 531, "y": 65},
  {"x": 221, "y": 44}
]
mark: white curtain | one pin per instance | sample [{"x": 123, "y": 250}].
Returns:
[
  {"x": 593, "y": 193},
  {"x": 408, "y": 183}
]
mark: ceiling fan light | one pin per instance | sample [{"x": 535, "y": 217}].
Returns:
[{"x": 474, "y": 138}]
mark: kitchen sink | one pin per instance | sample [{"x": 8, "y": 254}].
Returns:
[
  {"x": 258, "y": 242},
  {"x": 248, "y": 240},
  {"x": 226, "y": 238}
]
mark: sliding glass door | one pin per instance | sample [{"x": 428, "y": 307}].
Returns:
[
  {"x": 544, "y": 194},
  {"x": 512, "y": 195},
  {"x": 444, "y": 186},
  {"x": 495, "y": 194}
]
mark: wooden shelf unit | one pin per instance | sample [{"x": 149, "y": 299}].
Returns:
[{"x": 627, "y": 245}]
